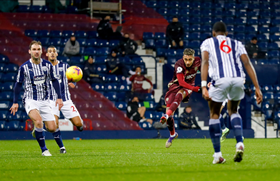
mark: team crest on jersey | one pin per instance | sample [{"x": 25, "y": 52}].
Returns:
[
  {"x": 60, "y": 69},
  {"x": 179, "y": 69},
  {"x": 44, "y": 68}
]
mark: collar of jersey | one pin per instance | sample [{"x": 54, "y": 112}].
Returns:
[{"x": 34, "y": 63}]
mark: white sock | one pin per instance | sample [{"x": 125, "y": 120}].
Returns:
[
  {"x": 173, "y": 135},
  {"x": 166, "y": 116},
  {"x": 240, "y": 144},
  {"x": 217, "y": 154}
]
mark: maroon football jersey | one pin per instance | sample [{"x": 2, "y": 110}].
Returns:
[
  {"x": 189, "y": 72},
  {"x": 137, "y": 82}
]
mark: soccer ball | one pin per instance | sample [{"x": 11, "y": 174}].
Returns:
[{"x": 74, "y": 74}]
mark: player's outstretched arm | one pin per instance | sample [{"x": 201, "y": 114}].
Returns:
[
  {"x": 252, "y": 74},
  {"x": 14, "y": 107},
  {"x": 204, "y": 75}
]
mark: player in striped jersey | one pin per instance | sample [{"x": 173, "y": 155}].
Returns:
[
  {"x": 69, "y": 110},
  {"x": 221, "y": 57},
  {"x": 36, "y": 75}
]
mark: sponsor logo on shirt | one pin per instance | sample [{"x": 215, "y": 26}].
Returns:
[{"x": 39, "y": 79}]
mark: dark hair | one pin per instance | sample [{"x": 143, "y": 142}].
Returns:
[
  {"x": 220, "y": 27},
  {"x": 138, "y": 67},
  {"x": 189, "y": 51},
  {"x": 34, "y": 42},
  {"x": 188, "y": 106},
  {"x": 254, "y": 38},
  {"x": 175, "y": 17}
]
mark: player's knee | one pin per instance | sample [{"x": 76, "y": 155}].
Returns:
[{"x": 51, "y": 129}]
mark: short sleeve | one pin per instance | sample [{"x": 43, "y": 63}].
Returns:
[
  {"x": 241, "y": 48},
  {"x": 20, "y": 76},
  {"x": 205, "y": 46}
]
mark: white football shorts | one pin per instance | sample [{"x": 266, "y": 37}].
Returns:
[
  {"x": 43, "y": 107},
  {"x": 68, "y": 109},
  {"x": 227, "y": 88}
]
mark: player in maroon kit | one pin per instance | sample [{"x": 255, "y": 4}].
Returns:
[
  {"x": 180, "y": 88},
  {"x": 137, "y": 83}
]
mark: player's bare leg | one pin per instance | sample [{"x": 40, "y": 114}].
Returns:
[
  {"x": 236, "y": 124},
  {"x": 169, "y": 119},
  {"x": 38, "y": 130},
  {"x": 57, "y": 136},
  {"x": 77, "y": 121},
  {"x": 215, "y": 130}
]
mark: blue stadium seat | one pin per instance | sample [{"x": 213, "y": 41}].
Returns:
[
  {"x": 55, "y": 34},
  {"x": 276, "y": 88},
  {"x": 36, "y": 9},
  {"x": 24, "y": 115},
  {"x": 264, "y": 29},
  {"x": 263, "y": 46},
  {"x": 98, "y": 87},
  {"x": 30, "y": 33},
  {"x": 80, "y": 34},
  {"x": 274, "y": 29},
  {"x": 113, "y": 43},
  {"x": 206, "y": 21},
  {"x": 12, "y": 125},
  {"x": 273, "y": 53},
  {"x": 111, "y": 87},
  {"x": 7, "y": 86},
  {"x": 267, "y": 109},
  {"x": 102, "y": 43},
  {"x": 149, "y": 97},
  {"x": 100, "y": 60},
  {"x": 67, "y": 33},
  {"x": 194, "y": 36},
  {"x": 162, "y": 11},
  {"x": 4, "y": 59},
  {"x": 161, "y": 52},
  {"x": 194, "y": 44},
  {"x": 145, "y": 125},
  {"x": 5, "y": 105},
  {"x": 92, "y": 42},
  {"x": 275, "y": 22},
  {"x": 273, "y": 46},
  {"x": 112, "y": 96},
  {"x": 264, "y": 21},
  {"x": 204, "y": 36},
  {"x": 240, "y": 28},
  {"x": 3, "y": 114},
  {"x": 149, "y": 43},
  {"x": 274, "y": 38},
  {"x": 173, "y": 4},
  {"x": 171, "y": 60},
  {"x": 102, "y": 51},
  {"x": 148, "y": 35},
  {"x": 124, "y": 87},
  {"x": 43, "y": 33},
  {"x": 101, "y": 69},
  {"x": 262, "y": 38},
  {"x": 111, "y": 78},
  {"x": 10, "y": 77},
  {"x": 149, "y": 114},
  {"x": 55, "y": 41},
  {"x": 92, "y": 34},
  {"x": 46, "y": 9},
  {"x": 157, "y": 116},
  {"x": 6, "y": 96},
  {"x": 151, "y": 4},
  {"x": 161, "y": 43},
  {"x": 173, "y": 12},
  {"x": 71, "y": 10},
  {"x": 16, "y": 117},
  {"x": 240, "y": 36},
  {"x": 23, "y": 9},
  {"x": 74, "y": 60},
  {"x": 82, "y": 42},
  {"x": 121, "y": 105},
  {"x": 89, "y": 51},
  {"x": 44, "y": 41},
  {"x": 250, "y": 29},
  {"x": 11, "y": 68},
  {"x": 159, "y": 35}
]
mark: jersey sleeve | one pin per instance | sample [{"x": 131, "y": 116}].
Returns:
[
  {"x": 205, "y": 46},
  {"x": 20, "y": 76},
  {"x": 178, "y": 69},
  {"x": 52, "y": 75},
  {"x": 241, "y": 49}
]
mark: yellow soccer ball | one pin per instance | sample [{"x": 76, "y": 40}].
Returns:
[{"x": 74, "y": 74}]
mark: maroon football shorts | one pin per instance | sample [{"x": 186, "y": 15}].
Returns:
[{"x": 172, "y": 91}]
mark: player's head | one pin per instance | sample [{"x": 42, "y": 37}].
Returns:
[
  {"x": 51, "y": 53},
  {"x": 188, "y": 109},
  {"x": 138, "y": 70},
  {"x": 175, "y": 19},
  {"x": 73, "y": 38},
  {"x": 114, "y": 53},
  {"x": 126, "y": 36},
  {"x": 35, "y": 50},
  {"x": 254, "y": 40},
  {"x": 90, "y": 60},
  {"x": 219, "y": 28},
  {"x": 135, "y": 99},
  {"x": 188, "y": 56}
]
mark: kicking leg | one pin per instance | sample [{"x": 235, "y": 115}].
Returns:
[
  {"x": 77, "y": 121},
  {"x": 236, "y": 124},
  {"x": 225, "y": 130},
  {"x": 215, "y": 130},
  {"x": 57, "y": 136},
  {"x": 39, "y": 133}
]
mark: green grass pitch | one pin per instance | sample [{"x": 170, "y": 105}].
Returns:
[{"x": 143, "y": 160}]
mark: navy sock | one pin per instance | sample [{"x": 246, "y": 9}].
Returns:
[
  {"x": 236, "y": 124},
  {"x": 58, "y": 138},
  {"x": 222, "y": 121},
  {"x": 40, "y": 136},
  {"x": 215, "y": 133}
]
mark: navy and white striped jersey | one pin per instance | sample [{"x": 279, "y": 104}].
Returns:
[
  {"x": 60, "y": 74},
  {"x": 36, "y": 79},
  {"x": 224, "y": 57}
]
